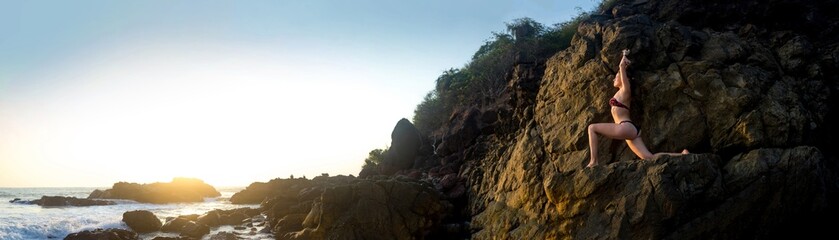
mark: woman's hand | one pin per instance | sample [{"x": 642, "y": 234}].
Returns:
[{"x": 624, "y": 62}]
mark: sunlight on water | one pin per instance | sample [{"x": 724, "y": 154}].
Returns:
[{"x": 24, "y": 221}]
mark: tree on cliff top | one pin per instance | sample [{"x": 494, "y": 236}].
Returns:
[{"x": 483, "y": 79}]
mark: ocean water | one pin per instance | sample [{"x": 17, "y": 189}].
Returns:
[{"x": 29, "y": 221}]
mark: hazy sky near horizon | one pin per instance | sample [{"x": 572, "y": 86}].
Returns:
[{"x": 231, "y": 92}]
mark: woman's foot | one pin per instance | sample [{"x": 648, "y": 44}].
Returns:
[
  {"x": 591, "y": 164},
  {"x": 685, "y": 151}
]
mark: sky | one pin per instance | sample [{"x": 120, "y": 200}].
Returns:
[{"x": 231, "y": 92}]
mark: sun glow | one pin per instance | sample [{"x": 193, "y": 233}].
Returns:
[{"x": 229, "y": 116}]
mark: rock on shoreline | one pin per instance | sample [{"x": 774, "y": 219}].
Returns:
[
  {"x": 60, "y": 201},
  {"x": 179, "y": 190},
  {"x": 110, "y": 234},
  {"x": 348, "y": 207}
]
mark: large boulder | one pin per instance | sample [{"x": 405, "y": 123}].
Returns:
[
  {"x": 404, "y": 144},
  {"x": 142, "y": 221},
  {"x": 179, "y": 190},
  {"x": 103, "y": 234}
]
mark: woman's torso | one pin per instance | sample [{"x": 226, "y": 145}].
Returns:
[{"x": 619, "y": 113}]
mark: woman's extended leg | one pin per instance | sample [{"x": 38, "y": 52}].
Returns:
[
  {"x": 610, "y": 130},
  {"x": 638, "y": 147}
]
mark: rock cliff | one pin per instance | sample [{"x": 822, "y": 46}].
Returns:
[{"x": 750, "y": 87}]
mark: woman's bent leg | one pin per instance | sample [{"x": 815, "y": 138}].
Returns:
[{"x": 610, "y": 130}]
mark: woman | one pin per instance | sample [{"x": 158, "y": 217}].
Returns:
[{"x": 623, "y": 128}]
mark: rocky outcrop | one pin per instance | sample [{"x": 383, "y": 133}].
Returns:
[
  {"x": 261, "y": 191},
  {"x": 749, "y": 86},
  {"x": 179, "y": 190},
  {"x": 196, "y": 226},
  {"x": 347, "y": 207},
  {"x": 372, "y": 209},
  {"x": 103, "y": 234},
  {"x": 141, "y": 221},
  {"x": 754, "y": 96},
  {"x": 60, "y": 201}
]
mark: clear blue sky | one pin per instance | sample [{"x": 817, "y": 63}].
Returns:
[{"x": 94, "y": 92}]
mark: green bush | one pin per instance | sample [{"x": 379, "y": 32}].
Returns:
[
  {"x": 375, "y": 157},
  {"x": 483, "y": 79}
]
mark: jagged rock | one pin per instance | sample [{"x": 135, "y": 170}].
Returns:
[
  {"x": 259, "y": 191},
  {"x": 192, "y": 229},
  {"x": 175, "y": 225},
  {"x": 290, "y": 223},
  {"x": 224, "y": 236},
  {"x": 141, "y": 221},
  {"x": 210, "y": 219},
  {"x": 739, "y": 82},
  {"x": 103, "y": 234},
  {"x": 174, "y": 238},
  {"x": 391, "y": 208},
  {"x": 461, "y": 133},
  {"x": 179, "y": 190},
  {"x": 405, "y": 142}
]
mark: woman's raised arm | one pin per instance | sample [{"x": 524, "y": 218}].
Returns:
[{"x": 623, "y": 76}]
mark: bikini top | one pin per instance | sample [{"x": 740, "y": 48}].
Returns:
[{"x": 614, "y": 102}]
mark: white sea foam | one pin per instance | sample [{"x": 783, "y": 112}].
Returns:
[{"x": 24, "y": 221}]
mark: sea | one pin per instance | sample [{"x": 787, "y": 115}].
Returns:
[{"x": 30, "y": 221}]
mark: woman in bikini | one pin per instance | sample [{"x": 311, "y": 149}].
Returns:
[{"x": 623, "y": 128}]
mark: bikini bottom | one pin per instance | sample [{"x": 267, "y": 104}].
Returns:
[{"x": 637, "y": 129}]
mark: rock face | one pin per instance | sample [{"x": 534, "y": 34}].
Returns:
[
  {"x": 350, "y": 208},
  {"x": 103, "y": 234},
  {"x": 749, "y": 85},
  {"x": 179, "y": 190},
  {"x": 141, "y": 221}
]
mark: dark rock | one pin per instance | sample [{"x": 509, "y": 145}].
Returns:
[
  {"x": 141, "y": 221},
  {"x": 14, "y": 200},
  {"x": 179, "y": 190},
  {"x": 192, "y": 229},
  {"x": 239, "y": 228},
  {"x": 175, "y": 225},
  {"x": 103, "y": 234},
  {"x": 58, "y": 201},
  {"x": 191, "y": 217},
  {"x": 224, "y": 236},
  {"x": 233, "y": 218},
  {"x": 405, "y": 142},
  {"x": 290, "y": 223},
  {"x": 390, "y": 208},
  {"x": 259, "y": 191},
  {"x": 210, "y": 219},
  {"x": 449, "y": 181},
  {"x": 174, "y": 238},
  {"x": 461, "y": 133}
]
